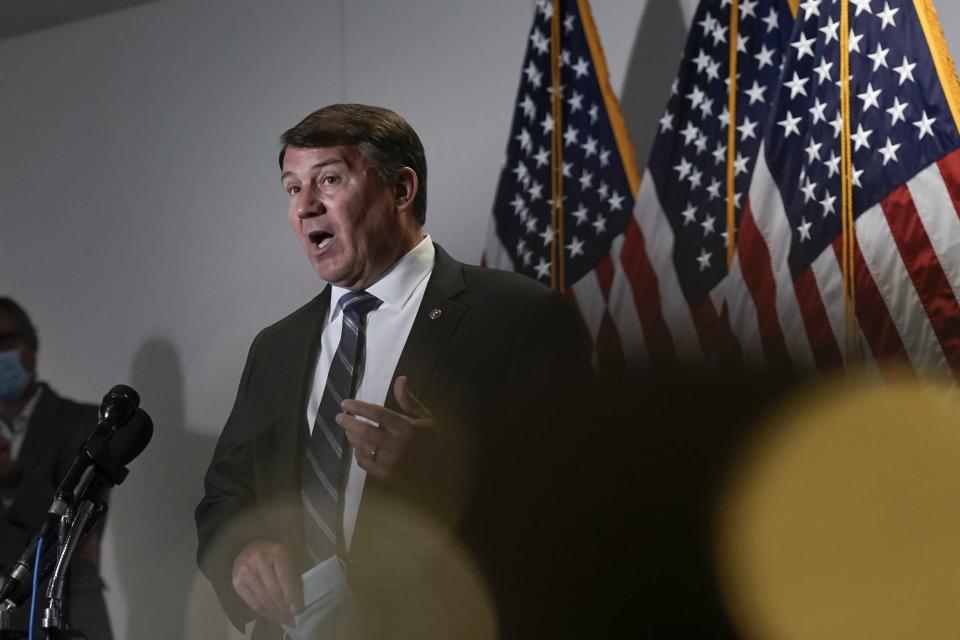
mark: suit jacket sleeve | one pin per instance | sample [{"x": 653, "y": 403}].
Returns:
[{"x": 226, "y": 517}]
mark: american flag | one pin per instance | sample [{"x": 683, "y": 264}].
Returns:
[
  {"x": 782, "y": 304},
  {"x": 903, "y": 140},
  {"x": 681, "y": 209},
  {"x": 596, "y": 162}
]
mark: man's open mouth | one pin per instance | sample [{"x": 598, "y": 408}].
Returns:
[{"x": 319, "y": 239}]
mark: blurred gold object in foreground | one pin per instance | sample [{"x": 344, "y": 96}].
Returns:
[{"x": 842, "y": 516}]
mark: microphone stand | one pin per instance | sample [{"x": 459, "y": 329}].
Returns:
[
  {"x": 111, "y": 472},
  {"x": 47, "y": 563},
  {"x": 55, "y": 617},
  {"x": 74, "y": 524},
  {"x": 79, "y": 503}
]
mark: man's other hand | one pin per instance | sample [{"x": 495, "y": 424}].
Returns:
[
  {"x": 264, "y": 578},
  {"x": 380, "y": 449}
]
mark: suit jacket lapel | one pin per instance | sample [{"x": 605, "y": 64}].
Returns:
[
  {"x": 437, "y": 320},
  {"x": 44, "y": 423},
  {"x": 304, "y": 351}
]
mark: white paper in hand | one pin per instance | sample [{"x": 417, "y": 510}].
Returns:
[{"x": 323, "y": 588}]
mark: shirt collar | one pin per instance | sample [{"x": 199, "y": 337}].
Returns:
[{"x": 397, "y": 285}]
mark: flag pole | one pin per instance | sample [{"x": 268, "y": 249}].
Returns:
[
  {"x": 848, "y": 232},
  {"x": 732, "y": 134},
  {"x": 620, "y": 133},
  {"x": 557, "y": 272}
]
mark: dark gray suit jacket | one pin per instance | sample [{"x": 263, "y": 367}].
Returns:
[
  {"x": 496, "y": 356},
  {"x": 58, "y": 428}
]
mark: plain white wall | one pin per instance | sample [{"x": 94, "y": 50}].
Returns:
[
  {"x": 142, "y": 223},
  {"x": 142, "y": 227}
]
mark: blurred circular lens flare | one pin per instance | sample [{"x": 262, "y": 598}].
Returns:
[{"x": 842, "y": 516}]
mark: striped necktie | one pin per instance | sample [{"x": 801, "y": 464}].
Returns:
[{"x": 323, "y": 472}]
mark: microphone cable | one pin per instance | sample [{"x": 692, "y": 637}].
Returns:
[{"x": 36, "y": 587}]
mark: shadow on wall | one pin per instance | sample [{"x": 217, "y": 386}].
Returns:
[
  {"x": 152, "y": 513},
  {"x": 657, "y": 50}
]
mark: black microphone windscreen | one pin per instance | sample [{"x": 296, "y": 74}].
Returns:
[
  {"x": 119, "y": 405},
  {"x": 132, "y": 438},
  {"x": 123, "y": 391}
]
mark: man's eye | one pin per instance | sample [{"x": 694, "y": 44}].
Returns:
[
  {"x": 329, "y": 179},
  {"x": 293, "y": 189}
]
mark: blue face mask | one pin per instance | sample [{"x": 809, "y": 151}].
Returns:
[{"x": 13, "y": 377}]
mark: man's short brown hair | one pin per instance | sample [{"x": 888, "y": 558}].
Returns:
[{"x": 383, "y": 137}]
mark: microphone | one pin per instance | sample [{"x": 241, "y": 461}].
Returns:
[
  {"x": 109, "y": 468},
  {"x": 118, "y": 411},
  {"x": 109, "y": 460},
  {"x": 132, "y": 439},
  {"x": 118, "y": 407}
]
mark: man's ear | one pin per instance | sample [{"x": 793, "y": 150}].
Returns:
[{"x": 405, "y": 188}]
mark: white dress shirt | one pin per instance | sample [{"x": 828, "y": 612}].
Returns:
[{"x": 401, "y": 290}]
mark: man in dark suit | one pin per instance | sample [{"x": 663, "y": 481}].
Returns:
[
  {"x": 456, "y": 377},
  {"x": 40, "y": 435}
]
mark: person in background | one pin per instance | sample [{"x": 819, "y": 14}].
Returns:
[{"x": 40, "y": 435}]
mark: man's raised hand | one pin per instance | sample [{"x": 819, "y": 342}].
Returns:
[{"x": 380, "y": 449}]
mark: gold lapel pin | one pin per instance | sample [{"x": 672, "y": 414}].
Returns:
[{"x": 435, "y": 313}]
